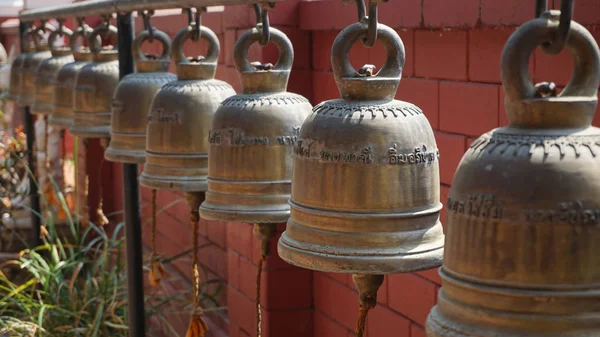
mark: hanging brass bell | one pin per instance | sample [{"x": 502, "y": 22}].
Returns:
[
  {"x": 180, "y": 117},
  {"x": 30, "y": 65},
  {"x": 62, "y": 114},
  {"x": 16, "y": 69},
  {"x": 132, "y": 99},
  {"x": 250, "y": 157},
  {"x": 365, "y": 190},
  {"x": 522, "y": 256},
  {"x": 45, "y": 75},
  {"x": 94, "y": 88}
]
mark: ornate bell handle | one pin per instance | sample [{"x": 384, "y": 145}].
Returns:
[
  {"x": 515, "y": 59},
  {"x": 28, "y": 36},
  {"x": 38, "y": 35},
  {"x": 342, "y": 44},
  {"x": 214, "y": 47},
  {"x": 283, "y": 43},
  {"x": 144, "y": 36},
  {"x": 94, "y": 40},
  {"x": 82, "y": 31},
  {"x": 61, "y": 31}
]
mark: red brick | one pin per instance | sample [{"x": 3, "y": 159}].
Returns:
[
  {"x": 485, "y": 49},
  {"x": 326, "y": 327},
  {"x": 403, "y": 14},
  {"x": 469, "y": 109},
  {"x": 417, "y": 331},
  {"x": 248, "y": 271},
  {"x": 222, "y": 45},
  {"x": 324, "y": 87},
  {"x": 285, "y": 13},
  {"x": 238, "y": 16},
  {"x": 294, "y": 323},
  {"x": 424, "y": 94},
  {"x": 550, "y": 68},
  {"x": 382, "y": 322},
  {"x": 229, "y": 38},
  {"x": 506, "y": 13},
  {"x": 215, "y": 258},
  {"x": 450, "y": 13},
  {"x": 441, "y": 54},
  {"x": 239, "y": 238},
  {"x": 301, "y": 43},
  {"x": 217, "y": 232},
  {"x": 276, "y": 285},
  {"x": 378, "y": 54},
  {"x": 241, "y": 309},
  {"x": 411, "y": 296},
  {"x": 233, "y": 269},
  {"x": 432, "y": 275},
  {"x": 301, "y": 83},
  {"x": 234, "y": 329},
  {"x": 335, "y": 300},
  {"x": 343, "y": 278},
  {"x": 322, "y": 40},
  {"x": 382, "y": 293},
  {"x": 326, "y": 15},
  {"x": 452, "y": 147},
  {"x": 586, "y": 12}
]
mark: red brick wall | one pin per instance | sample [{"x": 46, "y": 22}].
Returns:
[{"x": 452, "y": 72}]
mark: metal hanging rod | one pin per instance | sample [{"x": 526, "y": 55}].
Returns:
[{"x": 100, "y": 7}]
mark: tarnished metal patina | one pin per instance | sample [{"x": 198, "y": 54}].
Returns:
[
  {"x": 45, "y": 75},
  {"x": 180, "y": 118},
  {"x": 27, "y": 47},
  {"x": 133, "y": 97},
  {"x": 365, "y": 190},
  {"x": 62, "y": 114},
  {"x": 94, "y": 88},
  {"x": 30, "y": 63},
  {"x": 522, "y": 256},
  {"x": 252, "y": 138}
]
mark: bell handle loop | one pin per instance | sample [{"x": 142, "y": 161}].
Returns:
[
  {"x": 558, "y": 42},
  {"x": 61, "y": 31},
  {"x": 94, "y": 39},
  {"x": 187, "y": 33},
  {"x": 147, "y": 35},
  {"x": 283, "y": 43},
  {"x": 84, "y": 31},
  {"x": 515, "y": 60},
  {"x": 394, "y": 62},
  {"x": 28, "y": 37},
  {"x": 38, "y": 35}
]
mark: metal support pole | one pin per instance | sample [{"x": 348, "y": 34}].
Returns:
[
  {"x": 131, "y": 201},
  {"x": 34, "y": 196}
]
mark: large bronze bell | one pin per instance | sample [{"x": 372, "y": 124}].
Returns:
[
  {"x": 62, "y": 115},
  {"x": 45, "y": 75},
  {"x": 94, "y": 88},
  {"x": 132, "y": 99},
  {"x": 180, "y": 117},
  {"x": 250, "y": 161},
  {"x": 16, "y": 69},
  {"x": 522, "y": 256},
  {"x": 365, "y": 190},
  {"x": 31, "y": 63}
]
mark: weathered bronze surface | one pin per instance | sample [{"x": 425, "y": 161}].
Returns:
[
  {"x": 132, "y": 100},
  {"x": 30, "y": 64},
  {"x": 62, "y": 114},
  {"x": 45, "y": 75},
  {"x": 94, "y": 88},
  {"x": 180, "y": 117},
  {"x": 16, "y": 69},
  {"x": 251, "y": 140},
  {"x": 522, "y": 254},
  {"x": 365, "y": 190}
]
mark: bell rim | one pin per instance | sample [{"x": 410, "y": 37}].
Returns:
[
  {"x": 125, "y": 156},
  {"x": 401, "y": 263},
  {"x": 258, "y": 216},
  {"x": 177, "y": 185},
  {"x": 427, "y": 210}
]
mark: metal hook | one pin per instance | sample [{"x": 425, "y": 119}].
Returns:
[
  {"x": 564, "y": 28},
  {"x": 147, "y": 17},
  {"x": 262, "y": 21},
  {"x": 369, "y": 42},
  {"x": 360, "y": 8},
  {"x": 197, "y": 23}
]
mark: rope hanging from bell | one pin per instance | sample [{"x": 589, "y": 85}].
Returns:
[
  {"x": 265, "y": 232},
  {"x": 367, "y": 286},
  {"x": 102, "y": 220}
]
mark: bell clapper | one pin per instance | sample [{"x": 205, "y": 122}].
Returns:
[
  {"x": 367, "y": 286},
  {"x": 197, "y": 325},
  {"x": 265, "y": 232},
  {"x": 545, "y": 89}
]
